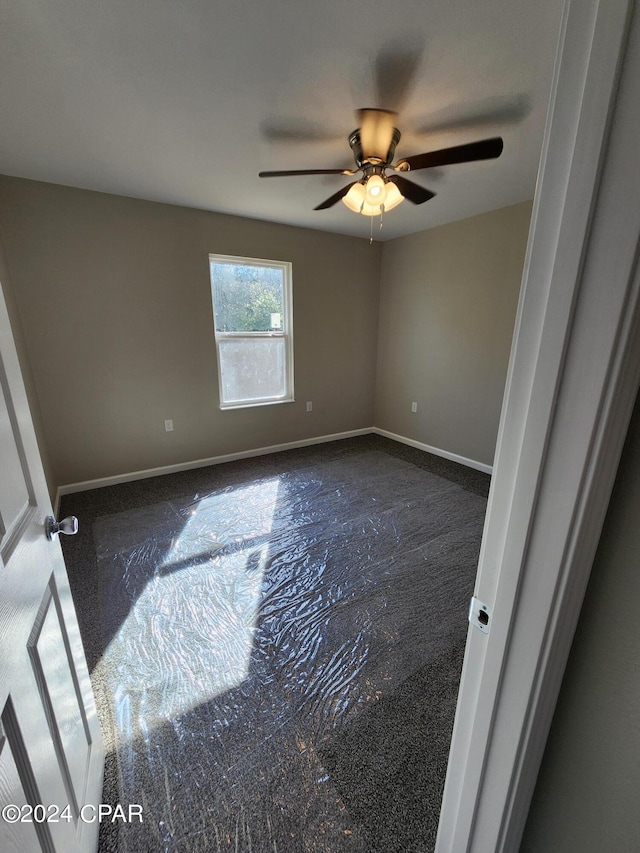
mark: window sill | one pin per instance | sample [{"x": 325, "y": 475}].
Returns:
[{"x": 252, "y": 404}]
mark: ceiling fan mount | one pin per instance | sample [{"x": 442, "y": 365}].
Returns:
[{"x": 373, "y": 145}]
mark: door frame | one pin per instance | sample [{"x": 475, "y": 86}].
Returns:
[{"x": 573, "y": 377}]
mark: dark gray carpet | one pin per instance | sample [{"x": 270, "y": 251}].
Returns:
[{"x": 275, "y": 646}]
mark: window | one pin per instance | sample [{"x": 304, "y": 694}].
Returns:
[{"x": 252, "y": 311}]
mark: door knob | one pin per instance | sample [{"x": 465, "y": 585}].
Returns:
[{"x": 68, "y": 525}]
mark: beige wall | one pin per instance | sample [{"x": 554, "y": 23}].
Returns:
[
  {"x": 447, "y": 309},
  {"x": 25, "y": 364},
  {"x": 586, "y": 798},
  {"x": 114, "y": 299}
]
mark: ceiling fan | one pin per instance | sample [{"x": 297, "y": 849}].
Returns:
[{"x": 373, "y": 145}]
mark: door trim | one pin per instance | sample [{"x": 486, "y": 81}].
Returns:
[{"x": 572, "y": 381}]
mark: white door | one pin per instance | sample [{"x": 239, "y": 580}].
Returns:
[{"x": 51, "y": 752}]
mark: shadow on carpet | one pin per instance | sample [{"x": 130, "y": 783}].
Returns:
[{"x": 389, "y": 764}]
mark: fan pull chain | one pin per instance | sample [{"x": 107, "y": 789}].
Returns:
[{"x": 371, "y": 235}]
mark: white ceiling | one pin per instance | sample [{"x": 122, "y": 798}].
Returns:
[{"x": 185, "y": 102}]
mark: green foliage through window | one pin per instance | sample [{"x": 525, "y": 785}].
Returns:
[{"x": 247, "y": 298}]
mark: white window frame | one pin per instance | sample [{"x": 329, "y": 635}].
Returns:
[{"x": 286, "y": 332}]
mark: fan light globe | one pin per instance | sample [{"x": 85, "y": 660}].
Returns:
[
  {"x": 354, "y": 199},
  {"x": 392, "y": 197},
  {"x": 373, "y": 200},
  {"x": 375, "y": 190},
  {"x": 372, "y": 209}
]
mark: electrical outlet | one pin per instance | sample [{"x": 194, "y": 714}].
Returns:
[
  {"x": 168, "y": 425},
  {"x": 414, "y": 407},
  {"x": 309, "y": 406}
]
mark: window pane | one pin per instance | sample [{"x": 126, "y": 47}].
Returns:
[
  {"x": 247, "y": 298},
  {"x": 252, "y": 369}
]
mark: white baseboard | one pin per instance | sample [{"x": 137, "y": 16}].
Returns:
[
  {"x": 454, "y": 457},
  {"x": 129, "y": 477}
]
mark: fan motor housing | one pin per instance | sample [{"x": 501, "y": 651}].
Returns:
[{"x": 355, "y": 144}]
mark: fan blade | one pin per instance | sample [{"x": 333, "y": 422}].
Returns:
[
  {"x": 297, "y": 130},
  {"x": 376, "y": 133},
  {"x": 412, "y": 192},
  {"x": 396, "y": 67},
  {"x": 335, "y": 198},
  {"x": 486, "y": 149},
  {"x": 306, "y": 172},
  {"x": 493, "y": 111}
]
